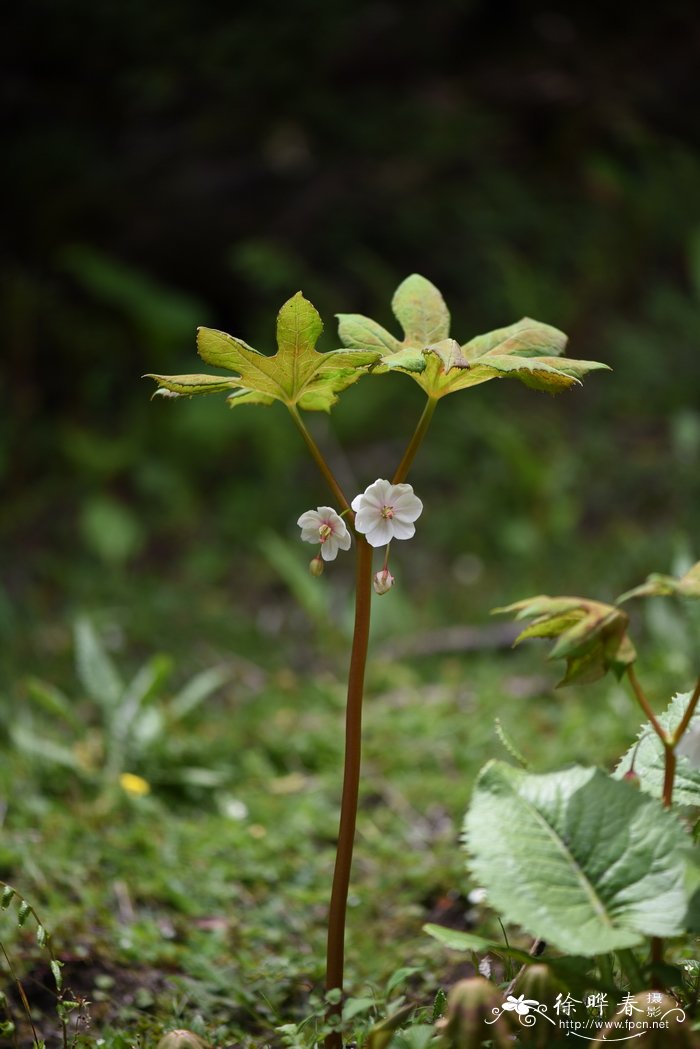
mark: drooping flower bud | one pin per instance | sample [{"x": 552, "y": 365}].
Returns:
[
  {"x": 383, "y": 581},
  {"x": 316, "y": 566}
]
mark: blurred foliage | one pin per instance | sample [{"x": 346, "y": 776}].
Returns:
[{"x": 175, "y": 166}]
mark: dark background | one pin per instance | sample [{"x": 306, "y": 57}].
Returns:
[{"x": 175, "y": 164}]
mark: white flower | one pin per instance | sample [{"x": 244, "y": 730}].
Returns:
[
  {"x": 386, "y": 511},
  {"x": 383, "y": 581},
  {"x": 324, "y": 526}
]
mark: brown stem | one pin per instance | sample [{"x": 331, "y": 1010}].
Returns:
[
  {"x": 657, "y": 957},
  {"x": 320, "y": 461},
  {"x": 351, "y": 783},
  {"x": 415, "y": 442},
  {"x": 644, "y": 704},
  {"x": 685, "y": 721}
]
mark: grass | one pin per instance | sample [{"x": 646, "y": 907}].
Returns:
[{"x": 202, "y": 904}]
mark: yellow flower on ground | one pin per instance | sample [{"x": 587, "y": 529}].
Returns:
[{"x": 134, "y": 785}]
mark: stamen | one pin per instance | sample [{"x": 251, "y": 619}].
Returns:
[
  {"x": 387, "y": 512},
  {"x": 325, "y": 532}
]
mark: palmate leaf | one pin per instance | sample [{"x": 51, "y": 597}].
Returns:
[
  {"x": 592, "y": 636},
  {"x": 583, "y": 861},
  {"x": 528, "y": 350},
  {"x": 298, "y": 375},
  {"x": 656, "y": 585},
  {"x": 647, "y": 756}
]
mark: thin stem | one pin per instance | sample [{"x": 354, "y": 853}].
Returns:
[
  {"x": 657, "y": 957},
  {"x": 669, "y": 774},
  {"x": 351, "y": 784},
  {"x": 630, "y": 967},
  {"x": 415, "y": 442},
  {"x": 685, "y": 721},
  {"x": 644, "y": 704},
  {"x": 605, "y": 968},
  {"x": 320, "y": 461}
]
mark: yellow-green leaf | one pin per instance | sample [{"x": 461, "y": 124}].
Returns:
[
  {"x": 421, "y": 311},
  {"x": 190, "y": 385},
  {"x": 591, "y": 636},
  {"x": 362, "y": 333},
  {"x": 297, "y": 375},
  {"x": 527, "y": 350},
  {"x": 657, "y": 585},
  {"x": 525, "y": 338}
]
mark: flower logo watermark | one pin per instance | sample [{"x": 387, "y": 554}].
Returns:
[{"x": 634, "y": 1015}]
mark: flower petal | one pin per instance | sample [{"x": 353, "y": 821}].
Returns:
[
  {"x": 378, "y": 493},
  {"x": 408, "y": 506},
  {"x": 310, "y": 517},
  {"x": 402, "y": 529},
  {"x": 380, "y": 534},
  {"x": 367, "y": 517},
  {"x": 344, "y": 540},
  {"x": 327, "y": 514}
]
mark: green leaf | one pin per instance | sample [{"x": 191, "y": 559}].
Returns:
[
  {"x": 56, "y": 972},
  {"x": 356, "y": 1006},
  {"x": 525, "y": 338},
  {"x": 380, "y": 1036},
  {"x": 297, "y": 375},
  {"x": 527, "y": 350},
  {"x": 191, "y": 385},
  {"x": 647, "y": 755},
  {"x": 421, "y": 311},
  {"x": 197, "y": 689},
  {"x": 581, "y": 860},
  {"x": 96, "y": 671},
  {"x": 53, "y": 701},
  {"x": 592, "y": 636},
  {"x": 450, "y": 355},
  {"x": 657, "y": 585},
  {"x": 362, "y": 333},
  {"x": 407, "y": 360},
  {"x": 466, "y": 941}
]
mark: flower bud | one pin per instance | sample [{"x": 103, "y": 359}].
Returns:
[
  {"x": 383, "y": 581},
  {"x": 632, "y": 778},
  {"x": 538, "y": 983},
  {"x": 469, "y": 1005},
  {"x": 181, "y": 1039},
  {"x": 316, "y": 566}
]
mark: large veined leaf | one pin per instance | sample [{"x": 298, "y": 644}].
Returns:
[
  {"x": 527, "y": 350},
  {"x": 457, "y": 940},
  {"x": 591, "y": 636},
  {"x": 647, "y": 755},
  {"x": 297, "y": 375},
  {"x": 583, "y": 861},
  {"x": 657, "y": 585}
]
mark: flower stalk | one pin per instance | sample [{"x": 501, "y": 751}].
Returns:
[
  {"x": 416, "y": 441},
  {"x": 351, "y": 784},
  {"x": 320, "y": 461}
]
